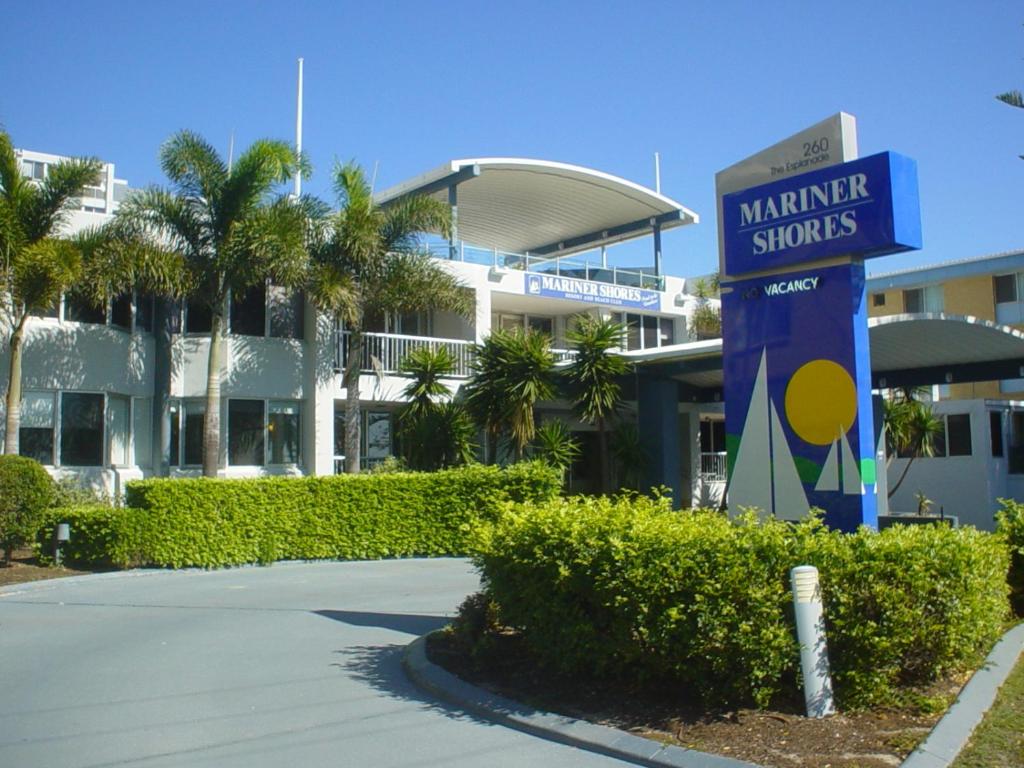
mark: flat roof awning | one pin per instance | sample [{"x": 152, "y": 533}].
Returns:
[
  {"x": 906, "y": 351},
  {"x": 542, "y": 207}
]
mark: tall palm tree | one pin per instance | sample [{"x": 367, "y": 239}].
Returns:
[
  {"x": 368, "y": 262},
  {"x": 229, "y": 229},
  {"x": 513, "y": 371},
  {"x": 593, "y": 377},
  {"x": 38, "y": 264}
]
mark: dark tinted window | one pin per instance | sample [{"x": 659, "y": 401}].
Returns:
[
  {"x": 1005, "y": 288},
  {"x": 36, "y": 443},
  {"x": 878, "y": 299},
  {"x": 995, "y": 423},
  {"x": 82, "y": 310},
  {"x": 81, "y": 429},
  {"x": 194, "y": 420},
  {"x": 121, "y": 311},
  {"x": 958, "y": 429},
  {"x": 912, "y": 301},
  {"x": 249, "y": 312},
  {"x": 245, "y": 432},
  {"x": 144, "y": 313},
  {"x": 198, "y": 318}
]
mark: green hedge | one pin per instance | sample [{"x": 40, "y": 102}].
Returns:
[
  {"x": 216, "y": 522},
  {"x": 621, "y": 587},
  {"x": 1010, "y": 525},
  {"x": 100, "y": 535}
]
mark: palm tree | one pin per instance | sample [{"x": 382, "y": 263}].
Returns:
[
  {"x": 38, "y": 264},
  {"x": 912, "y": 430},
  {"x": 230, "y": 232},
  {"x": 555, "y": 445},
  {"x": 513, "y": 371},
  {"x": 593, "y": 377},
  {"x": 368, "y": 263}
]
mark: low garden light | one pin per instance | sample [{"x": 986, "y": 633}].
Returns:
[
  {"x": 810, "y": 633},
  {"x": 61, "y": 537}
]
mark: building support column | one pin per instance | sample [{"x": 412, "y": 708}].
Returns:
[
  {"x": 657, "y": 249},
  {"x": 163, "y": 325},
  {"x": 453, "y": 237},
  {"x": 658, "y": 425}
]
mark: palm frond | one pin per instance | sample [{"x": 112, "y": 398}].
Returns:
[
  {"x": 409, "y": 282},
  {"x": 1013, "y": 98},
  {"x": 193, "y": 165},
  {"x": 57, "y": 195},
  {"x": 43, "y": 270},
  {"x": 10, "y": 175},
  {"x": 264, "y": 165},
  {"x": 334, "y": 291},
  {"x": 269, "y": 242},
  {"x": 410, "y": 216}
]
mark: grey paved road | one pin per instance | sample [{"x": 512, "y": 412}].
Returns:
[{"x": 295, "y": 665}]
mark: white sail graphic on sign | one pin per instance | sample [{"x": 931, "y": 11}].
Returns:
[
  {"x": 765, "y": 475},
  {"x": 848, "y": 474}
]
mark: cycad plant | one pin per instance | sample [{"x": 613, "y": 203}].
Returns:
[
  {"x": 593, "y": 377},
  {"x": 912, "y": 430},
  {"x": 433, "y": 431},
  {"x": 229, "y": 229},
  {"x": 554, "y": 444},
  {"x": 513, "y": 371},
  {"x": 369, "y": 262}
]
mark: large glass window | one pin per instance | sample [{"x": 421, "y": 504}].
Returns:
[
  {"x": 245, "y": 432},
  {"x": 958, "y": 434},
  {"x": 285, "y": 308},
  {"x": 198, "y": 318},
  {"x": 82, "y": 310},
  {"x": 374, "y": 437},
  {"x": 121, "y": 311},
  {"x": 35, "y": 437},
  {"x": 81, "y": 429},
  {"x": 118, "y": 411},
  {"x": 283, "y": 425},
  {"x": 249, "y": 312},
  {"x": 187, "y": 419}
]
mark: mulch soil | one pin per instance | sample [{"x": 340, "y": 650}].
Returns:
[
  {"x": 781, "y": 738},
  {"x": 25, "y": 567}
]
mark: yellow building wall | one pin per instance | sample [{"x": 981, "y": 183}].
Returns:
[
  {"x": 893, "y": 304},
  {"x": 970, "y": 296}
]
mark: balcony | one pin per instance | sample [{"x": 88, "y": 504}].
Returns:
[
  {"x": 383, "y": 352},
  {"x": 713, "y": 467},
  {"x": 548, "y": 265}
]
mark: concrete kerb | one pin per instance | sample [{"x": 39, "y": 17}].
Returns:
[
  {"x": 565, "y": 730},
  {"x": 951, "y": 734}
]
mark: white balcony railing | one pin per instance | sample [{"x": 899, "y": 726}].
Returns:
[
  {"x": 713, "y": 467},
  {"x": 384, "y": 352}
]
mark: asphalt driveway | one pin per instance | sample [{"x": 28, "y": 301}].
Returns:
[{"x": 295, "y": 665}]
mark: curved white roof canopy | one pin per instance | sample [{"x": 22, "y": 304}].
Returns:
[
  {"x": 546, "y": 208},
  {"x": 906, "y": 350}
]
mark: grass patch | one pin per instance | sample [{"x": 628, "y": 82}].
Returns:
[{"x": 999, "y": 740}]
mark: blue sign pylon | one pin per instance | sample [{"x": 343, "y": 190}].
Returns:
[{"x": 799, "y": 424}]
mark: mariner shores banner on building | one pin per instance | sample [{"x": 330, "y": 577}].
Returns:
[
  {"x": 799, "y": 424},
  {"x": 564, "y": 287}
]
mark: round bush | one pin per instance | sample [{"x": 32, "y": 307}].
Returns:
[{"x": 26, "y": 490}]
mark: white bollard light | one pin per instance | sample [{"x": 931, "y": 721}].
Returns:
[{"x": 810, "y": 633}]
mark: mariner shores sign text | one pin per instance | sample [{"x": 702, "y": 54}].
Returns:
[
  {"x": 575, "y": 289},
  {"x": 867, "y": 206}
]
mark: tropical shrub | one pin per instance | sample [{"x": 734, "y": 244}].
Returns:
[
  {"x": 1010, "y": 525},
  {"x": 628, "y": 587},
  {"x": 26, "y": 490}
]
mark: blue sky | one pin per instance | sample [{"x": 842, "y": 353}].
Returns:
[{"x": 410, "y": 85}]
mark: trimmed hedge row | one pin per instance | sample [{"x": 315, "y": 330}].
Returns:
[
  {"x": 628, "y": 587},
  {"x": 215, "y": 522},
  {"x": 1010, "y": 525}
]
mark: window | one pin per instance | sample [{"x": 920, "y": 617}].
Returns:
[
  {"x": 283, "y": 425},
  {"x": 374, "y": 437},
  {"x": 268, "y": 310},
  {"x": 646, "y": 331},
  {"x": 35, "y": 437},
  {"x": 256, "y": 441},
  {"x": 712, "y": 436},
  {"x": 33, "y": 169},
  {"x": 118, "y": 413},
  {"x": 198, "y": 317},
  {"x": 249, "y": 312},
  {"x": 927, "y": 299},
  {"x": 878, "y": 299},
  {"x": 285, "y": 308},
  {"x": 187, "y": 418},
  {"x": 1007, "y": 290},
  {"x": 80, "y": 309},
  {"x": 542, "y": 325},
  {"x": 995, "y": 426},
  {"x": 144, "y": 307},
  {"x": 958, "y": 434},
  {"x": 81, "y": 429},
  {"x": 121, "y": 311}
]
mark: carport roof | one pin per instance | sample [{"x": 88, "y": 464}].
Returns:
[
  {"x": 543, "y": 207},
  {"x": 906, "y": 350}
]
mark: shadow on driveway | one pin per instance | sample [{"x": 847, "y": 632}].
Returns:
[{"x": 409, "y": 623}]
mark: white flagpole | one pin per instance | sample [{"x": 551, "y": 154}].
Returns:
[{"x": 298, "y": 133}]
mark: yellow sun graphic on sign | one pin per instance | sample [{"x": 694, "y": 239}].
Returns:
[{"x": 821, "y": 401}]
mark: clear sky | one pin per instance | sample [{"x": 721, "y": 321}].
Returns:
[{"x": 410, "y": 85}]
